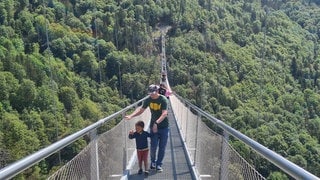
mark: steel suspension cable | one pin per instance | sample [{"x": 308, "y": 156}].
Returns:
[
  {"x": 52, "y": 84},
  {"x": 96, "y": 39}
]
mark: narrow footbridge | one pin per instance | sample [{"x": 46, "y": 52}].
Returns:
[{"x": 194, "y": 151}]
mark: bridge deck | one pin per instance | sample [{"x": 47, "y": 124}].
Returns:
[{"x": 175, "y": 165}]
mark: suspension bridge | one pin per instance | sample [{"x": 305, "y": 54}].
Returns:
[{"x": 194, "y": 151}]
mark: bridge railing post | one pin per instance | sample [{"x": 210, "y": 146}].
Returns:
[
  {"x": 180, "y": 111},
  {"x": 224, "y": 156},
  {"x": 196, "y": 140},
  {"x": 125, "y": 147},
  {"x": 186, "y": 125},
  {"x": 94, "y": 155}
]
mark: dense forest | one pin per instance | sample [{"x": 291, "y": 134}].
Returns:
[{"x": 65, "y": 64}]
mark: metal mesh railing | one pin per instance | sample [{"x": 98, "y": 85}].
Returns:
[
  {"x": 112, "y": 155},
  {"x": 106, "y": 157},
  {"x": 210, "y": 154}
]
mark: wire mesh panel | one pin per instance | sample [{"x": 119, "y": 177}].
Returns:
[
  {"x": 77, "y": 168},
  {"x": 210, "y": 154},
  {"x": 112, "y": 152},
  {"x": 106, "y": 156},
  {"x": 238, "y": 167},
  {"x": 192, "y": 133}
]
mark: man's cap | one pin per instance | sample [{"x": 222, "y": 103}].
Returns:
[{"x": 153, "y": 89}]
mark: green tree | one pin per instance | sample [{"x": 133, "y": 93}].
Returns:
[
  {"x": 88, "y": 65},
  {"x": 90, "y": 111},
  {"x": 20, "y": 141},
  {"x": 34, "y": 123},
  {"x": 53, "y": 122},
  {"x": 277, "y": 176},
  {"x": 8, "y": 85},
  {"x": 46, "y": 98},
  {"x": 25, "y": 95},
  {"x": 313, "y": 127},
  {"x": 69, "y": 98}
]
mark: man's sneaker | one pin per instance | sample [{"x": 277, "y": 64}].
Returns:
[
  {"x": 153, "y": 166},
  {"x": 146, "y": 172},
  {"x": 140, "y": 171},
  {"x": 159, "y": 168}
]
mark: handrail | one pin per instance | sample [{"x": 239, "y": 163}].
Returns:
[
  {"x": 22, "y": 164},
  {"x": 284, "y": 164}
]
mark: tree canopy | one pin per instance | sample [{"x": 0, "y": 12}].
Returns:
[{"x": 253, "y": 64}]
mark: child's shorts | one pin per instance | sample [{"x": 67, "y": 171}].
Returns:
[{"x": 142, "y": 154}]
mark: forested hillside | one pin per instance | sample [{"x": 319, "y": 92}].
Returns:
[
  {"x": 67, "y": 63},
  {"x": 254, "y": 65}
]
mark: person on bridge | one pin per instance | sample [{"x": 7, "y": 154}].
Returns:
[
  {"x": 159, "y": 125},
  {"x": 163, "y": 90},
  {"x": 141, "y": 137}
]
